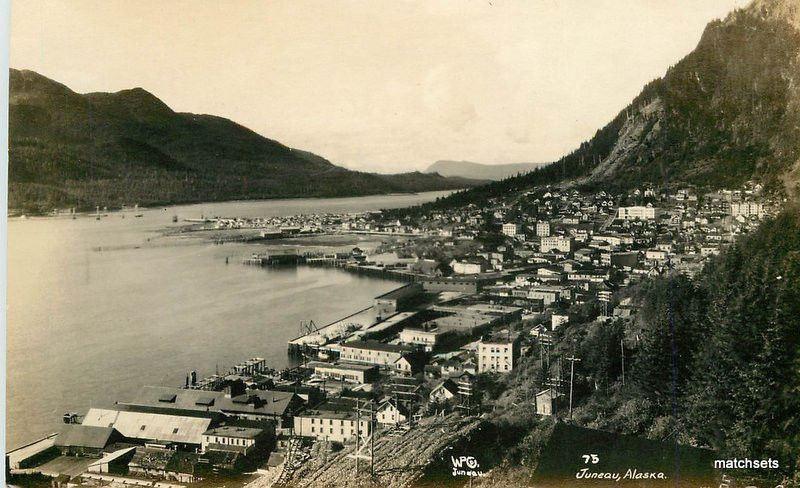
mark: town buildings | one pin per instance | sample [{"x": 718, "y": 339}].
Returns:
[
  {"x": 636, "y": 213},
  {"x": 498, "y": 354},
  {"x": 373, "y": 352}
]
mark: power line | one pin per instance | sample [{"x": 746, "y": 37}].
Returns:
[{"x": 572, "y": 360}]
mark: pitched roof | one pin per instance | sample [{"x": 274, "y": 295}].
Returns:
[
  {"x": 235, "y": 431},
  {"x": 396, "y": 405},
  {"x": 377, "y": 346},
  {"x": 150, "y": 426},
  {"x": 448, "y": 385},
  {"x": 76, "y": 435},
  {"x": 112, "y": 456},
  {"x": 264, "y": 402}
]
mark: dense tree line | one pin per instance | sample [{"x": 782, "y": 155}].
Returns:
[{"x": 713, "y": 361}]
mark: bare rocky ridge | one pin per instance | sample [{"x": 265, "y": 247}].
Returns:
[{"x": 727, "y": 113}]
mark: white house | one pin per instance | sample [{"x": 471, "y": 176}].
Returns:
[
  {"x": 557, "y": 320},
  {"x": 391, "y": 413},
  {"x": 444, "y": 391}
]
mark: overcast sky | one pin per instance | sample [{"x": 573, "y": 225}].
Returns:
[{"x": 375, "y": 85}]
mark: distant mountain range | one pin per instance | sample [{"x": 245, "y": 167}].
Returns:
[
  {"x": 80, "y": 150},
  {"x": 726, "y": 113},
  {"x": 478, "y": 171}
]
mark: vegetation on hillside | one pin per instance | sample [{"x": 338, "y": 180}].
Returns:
[
  {"x": 710, "y": 362},
  {"x": 110, "y": 149}
]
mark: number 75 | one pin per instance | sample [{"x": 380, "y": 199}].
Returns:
[{"x": 594, "y": 458}]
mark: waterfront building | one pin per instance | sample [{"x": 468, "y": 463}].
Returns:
[
  {"x": 85, "y": 440},
  {"x": 396, "y": 300},
  {"x": 372, "y": 352},
  {"x": 181, "y": 430},
  {"x": 351, "y": 373},
  {"x": 469, "y": 267},
  {"x": 156, "y": 462},
  {"x": 236, "y": 401},
  {"x": 468, "y": 285},
  {"x": 427, "y": 337},
  {"x": 231, "y": 438}
]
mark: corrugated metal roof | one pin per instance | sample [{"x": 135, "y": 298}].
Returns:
[
  {"x": 151, "y": 426},
  {"x": 270, "y": 402},
  {"x": 76, "y": 435},
  {"x": 111, "y": 456}
]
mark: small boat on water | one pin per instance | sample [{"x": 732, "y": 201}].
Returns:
[{"x": 138, "y": 215}]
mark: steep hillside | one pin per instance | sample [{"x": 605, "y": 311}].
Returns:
[
  {"x": 69, "y": 149},
  {"x": 726, "y": 113},
  {"x": 467, "y": 169}
]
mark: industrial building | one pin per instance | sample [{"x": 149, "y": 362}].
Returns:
[
  {"x": 372, "y": 352},
  {"x": 351, "y": 373}
]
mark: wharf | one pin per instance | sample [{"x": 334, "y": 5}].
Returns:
[
  {"x": 332, "y": 332},
  {"x": 16, "y": 457},
  {"x": 274, "y": 259}
]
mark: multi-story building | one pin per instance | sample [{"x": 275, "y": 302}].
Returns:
[
  {"x": 556, "y": 243},
  {"x": 542, "y": 228},
  {"x": 510, "y": 229},
  {"x": 232, "y": 438},
  {"x": 336, "y": 425},
  {"x": 547, "y": 294},
  {"x": 747, "y": 209},
  {"x": 636, "y": 212},
  {"x": 351, "y": 373},
  {"x": 428, "y": 338},
  {"x": 498, "y": 354},
  {"x": 468, "y": 267},
  {"x": 372, "y": 352}
]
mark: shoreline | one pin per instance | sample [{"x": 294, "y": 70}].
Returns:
[{"x": 16, "y": 213}]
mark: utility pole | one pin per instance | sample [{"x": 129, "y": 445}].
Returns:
[
  {"x": 358, "y": 433},
  {"x": 572, "y": 360},
  {"x": 622, "y": 351},
  {"x": 357, "y": 455},
  {"x": 555, "y": 384},
  {"x": 372, "y": 441}
]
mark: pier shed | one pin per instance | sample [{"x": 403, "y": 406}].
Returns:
[{"x": 396, "y": 300}]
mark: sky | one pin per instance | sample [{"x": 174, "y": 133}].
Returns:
[{"x": 374, "y": 85}]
